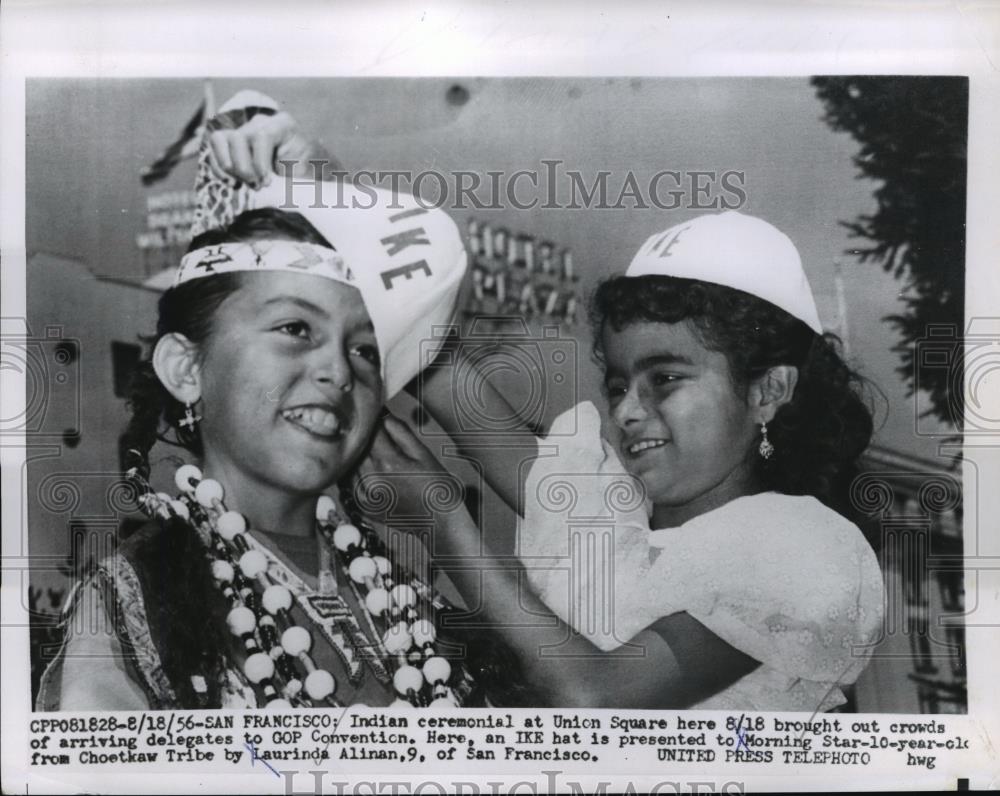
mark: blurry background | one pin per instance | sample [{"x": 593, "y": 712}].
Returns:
[{"x": 99, "y": 241}]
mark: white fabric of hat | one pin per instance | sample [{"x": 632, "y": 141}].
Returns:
[
  {"x": 735, "y": 250},
  {"x": 407, "y": 260}
]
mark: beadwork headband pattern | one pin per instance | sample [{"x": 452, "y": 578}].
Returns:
[{"x": 264, "y": 255}]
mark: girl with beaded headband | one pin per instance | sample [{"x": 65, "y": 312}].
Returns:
[{"x": 275, "y": 350}]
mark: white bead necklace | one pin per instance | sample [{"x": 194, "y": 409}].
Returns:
[{"x": 276, "y": 657}]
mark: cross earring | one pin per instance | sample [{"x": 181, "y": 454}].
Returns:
[
  {"x": 190, "y": 418},
  {"x": 766, "y": 449}
]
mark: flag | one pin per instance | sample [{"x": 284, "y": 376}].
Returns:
[{"x": 186, "y": 146}]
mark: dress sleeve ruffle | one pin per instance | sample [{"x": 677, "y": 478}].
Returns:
[{"x": 782, "y": 578}]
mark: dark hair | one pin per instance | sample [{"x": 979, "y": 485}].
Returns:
[
  {"x": 190, "y": 645},
  {"x": 819, "y": 434}
]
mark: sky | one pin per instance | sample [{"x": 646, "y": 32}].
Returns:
[{"x": 89, "y": 139}]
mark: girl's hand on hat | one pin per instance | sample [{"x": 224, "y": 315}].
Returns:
[{"x": 263, "y": 146}]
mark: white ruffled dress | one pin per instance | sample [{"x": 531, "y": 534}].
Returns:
[{"x": 784, "y": 579}]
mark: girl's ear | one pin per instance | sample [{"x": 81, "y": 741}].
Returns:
[
  {"x": 773, "y": 390},
  {"x": 175, "y": 360}
]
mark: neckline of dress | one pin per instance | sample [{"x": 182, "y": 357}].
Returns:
[
  {"x": 687, "y": 523},
  {"x": 270, "y": 539}
]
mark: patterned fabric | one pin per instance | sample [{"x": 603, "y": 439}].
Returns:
[
  {"x": 122, "y": 589},
  {"x": 784, "y": 579},
  {"x": 264, "y": 255},
  {"x": 112, "y": 595},
  {"x": 332, "y": 615},
  {"x": 116, "y": 664},
  {"x": 220, "y": 200}
]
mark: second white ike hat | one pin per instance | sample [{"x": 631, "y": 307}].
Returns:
[{"x": 734, "y": 250}]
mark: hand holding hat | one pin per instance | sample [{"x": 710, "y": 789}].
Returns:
[
  {"x": 406, "y": 259},
  {"x": 261, "y": 147}
]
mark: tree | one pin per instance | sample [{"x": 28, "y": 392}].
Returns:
[{"x": 913, "y": 135}]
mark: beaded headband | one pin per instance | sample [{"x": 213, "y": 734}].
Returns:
[{"x": 264, "y": 255}]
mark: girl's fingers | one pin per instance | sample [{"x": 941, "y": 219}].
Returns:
[
  {"x": 271, "y": 137},
  {"x": 239, "y": 152},
  {"x": 249, "y": 153},
  {"x": 262, "y": 152},
  {"x": 402, "y": 437},
  {"x": 385, "y": 452},
  {"x": 365, "y": 465},
  {"x": 219, "y": 159},
  {"x": 407, "y": 442}
]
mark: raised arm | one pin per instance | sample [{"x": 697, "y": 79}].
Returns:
[
  {"x": 251, "y": 153},
  {"x": 673, "y": 663},
  {"x": 504, "y": 457}
]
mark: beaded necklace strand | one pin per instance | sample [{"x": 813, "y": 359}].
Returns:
[{"x": 260, "y": 592}]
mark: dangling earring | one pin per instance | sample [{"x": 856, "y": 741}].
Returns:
[
  {"x": 766, "y": 449},
  {"x": 190, "y": 418}
]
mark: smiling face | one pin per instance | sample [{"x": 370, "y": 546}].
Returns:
[
  {"x": 290, "y": 384},
  {"x": 685, "y": 429}
]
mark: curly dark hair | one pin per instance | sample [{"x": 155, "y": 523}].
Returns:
[
  {"x": 193, "y": 636},
  {"x": 820, "y": 433}
]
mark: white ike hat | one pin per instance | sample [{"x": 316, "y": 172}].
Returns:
[
  {"x": 406, "y": 259},
  {"x": 734, "y": 250}
]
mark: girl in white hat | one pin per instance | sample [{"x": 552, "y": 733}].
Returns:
[
  {"x": 275, "y": 349},
  {"x": 699, "y": 561},
  {"x": 702, "y": 559}
]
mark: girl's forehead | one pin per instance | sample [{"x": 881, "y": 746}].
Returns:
[
  {"x": 261, "y": 282},
  {"x": 259, "y": 291},
  {"x": 641, "y": 339}
]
